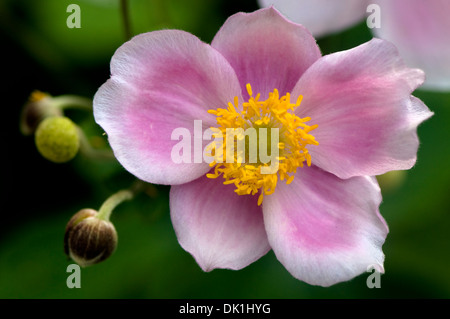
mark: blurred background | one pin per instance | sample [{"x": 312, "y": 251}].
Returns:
[{"x": 38, "y": 197}]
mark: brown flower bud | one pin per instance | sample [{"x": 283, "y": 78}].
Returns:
[
  {"x": 88, "y": 239},
  {"x": 39, "y": 106}
]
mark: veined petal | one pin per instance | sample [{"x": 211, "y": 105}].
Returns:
[
  {"x": 325, "y": 230},
  {"x": 321, "y": 17},
  {"x": 218, "y": 227},
  {"x": 367, "y": 119},
  {"x": 266, "y": 50},
  {"x": 419, "y": 29},
  {"x": 161, "y": 81}
]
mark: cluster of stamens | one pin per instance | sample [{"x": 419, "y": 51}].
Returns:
[{"x": 274, "y": 117}]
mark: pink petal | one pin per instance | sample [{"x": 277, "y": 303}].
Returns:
[
  {"x": 367, "y": 118},
  {"x": 419, "y": 29},
  {"x": 325, "y": 230},
  {"x": 321, "y": 17},
  {"x": 160, "y": 81},
  {"x": 218, "y": 227},
  {"x": 266, "y": 50}
]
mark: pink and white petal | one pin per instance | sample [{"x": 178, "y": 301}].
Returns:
[
  {"x": 326, "y": 230},
  {"x": 367, "y": 119},
  {"x": 266, "y": 50},
  {"x": 419, "y": 29},
  {"x": 218, "y": 227},
  {"x": 321, "y": 17},
  {"x": 161, "y": 81}
]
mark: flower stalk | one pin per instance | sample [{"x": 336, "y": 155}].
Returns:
[
  {"x": 72, "y": 102},
  {"x": 116, "y": 199},
  {"x": 89, "y": 151},
  {"x": 126, "y": 19},
  {"x": 112, "y": 202}
]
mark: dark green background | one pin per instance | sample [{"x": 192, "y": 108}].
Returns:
[{"x": 39, "y": 197}]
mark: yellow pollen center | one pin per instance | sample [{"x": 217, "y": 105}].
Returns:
[{"x": 272, "y": 121}]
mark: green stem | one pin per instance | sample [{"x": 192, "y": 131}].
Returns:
[
  {"x": 114, "y": 200},
  {"x": 90, "y": 152},
  {"x": 72, "y": 101},
  {"x": 125, "y": 19},
  {"x": 108, "y": 206}
]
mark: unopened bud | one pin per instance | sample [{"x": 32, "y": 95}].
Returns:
[
  {"x": 88, "y": 239},
  {"x": 39, "y": 106},
  {"x": 57, "y": 139}
]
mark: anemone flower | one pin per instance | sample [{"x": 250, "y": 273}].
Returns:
[
  {"x": 319, "y": 211},
  {"x": 417, "y": 27}
]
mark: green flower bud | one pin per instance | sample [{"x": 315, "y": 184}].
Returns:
[
  {"x": 88, "y": 239},
  {"x": 57, "y": 139}
]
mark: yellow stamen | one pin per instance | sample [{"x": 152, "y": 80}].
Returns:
[{"x": 275, "y": 113}]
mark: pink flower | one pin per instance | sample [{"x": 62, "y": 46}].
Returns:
[
  {"x": 419, "y": 28},
  {"x": 324, "y": 225}
]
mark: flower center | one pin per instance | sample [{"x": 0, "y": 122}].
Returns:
[{"x": 262, "y": 141}]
